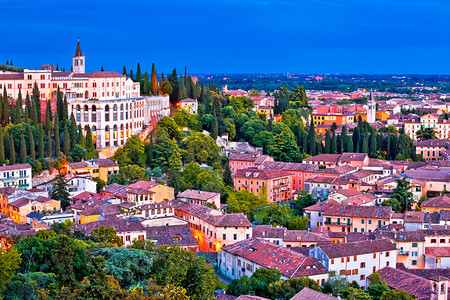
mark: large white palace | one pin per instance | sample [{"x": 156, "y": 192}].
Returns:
[{"x": 110, "y": 103}]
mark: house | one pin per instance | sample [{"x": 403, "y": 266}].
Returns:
[
  {"x": 56, "y": 218},
  {"x": 94, "y": 168},
  {"x": 432, "y": 149},
  {"x": 357, "y": 160},
  {"x": 180, "y": 235},
  {"x": 16, "y": 176},
  {"x": 94, "y": 212},
  {"x": 211, "y": 227},
  {"x": 190, "y": 105},
  {"x": 354, "y": 218},
  {"x": 356, "y": 261},
  {"x": 436, "y": 179},
  {"x": 422, "y": 288},
  {"x": 19, "y": 209},
  {"x": 440, "y": 126},
  {"x": 127, "y": 229},
  {"x": 78, "y": 184},
  {"x": 267, "y": 111},
  {"x": 314, "y": 213},
  {"x": 114, "y": 190},
  {"x": 299, "y": 171},
  {"x": 277, "y": 183},
  {"x": 80, "y": 206},
  {"x": 290, "y": 238},
  {"x": 245, "y": 257},
  {"x": 159, "y": 192},
  {"x": 229, "y": 148},
  {"x": 200, "y": 197},
  {"x": 154, "y": 210},
  {"x": 437, "y": 257},
  {"x": 436, "y": 204},
  {"x": 240, "y": 161}
]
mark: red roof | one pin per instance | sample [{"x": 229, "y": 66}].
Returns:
[{"x": 260, "y": 173}]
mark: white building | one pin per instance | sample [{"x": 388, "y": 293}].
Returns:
[
  {"x": 78, "y": 184},
  {"x": 371, "y": 109},
  {"x": 56, "y": 218},
  {"x": 245, "y": 257},
  {"x": 437, "y": 257},
  {"x": 16, "y": 176},
  {"x": 190, "y": 105},
  {"x": 356, "y": 261}
]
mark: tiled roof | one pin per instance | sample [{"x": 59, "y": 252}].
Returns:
[
  {"x": 154, "y": 206},
  {"x": 11, "y": 76},
  {"x": 108, "y": 209},
  {"x": 104, "y": 74},
  {"x": 438, "y": 175},
  {"x": 309, "y": 294},
  {"x": 290, "y": 166},
  {"x": 90, "y": 203},
  {"x": 198, "y": 195},
  {"x": 188, "y": 100},
  {"x": 20, "y": 202},
  {"x": 340, "y": 170},
  {"x": 401, "y": 280},
  {"x": 114, "y": 188},
  {"x": 171, "y": 235},
  {"x": 379, "y": 212},
  {"x": 267, "y": 231},
  {"x": 85, "y": 196},
  {"x": 305, "y": 236},
  {"x": 322, "y": 206},
  {"x": 120, "y": 225},
  {"x": 437, "y": 252},
  {"x": 144, "y": 184},
  {"x": 324, "y": 157},
  {"x": 441, "y": 201},
  {"x": 255, "y": 157},
  {"x": 266, "y": 254},
  {"x": 104, "y": 162},
  {"x": 15, "y": 167},
  {"x": 432, "y": 143},
  {"x": 260, "y": 173},
  {"x": 347, "y": 193},
  {"x": 334, "y": 250},
  {"x": 139, "y": 191},
  {"x": 403, "y": 236},
  {"x": 78, "y": 165},
  {"x": 353, "y": 156}
]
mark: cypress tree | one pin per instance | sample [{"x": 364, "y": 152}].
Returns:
[
  {"x": 339, "y": 144},
  {"x": 2, "y": 147},
  {"x": 27, "y": 107},
  {"x": 7, "y": 145},
  {"x": 57, "y": 138},
  {"x": 73, "y": 130},
  {"x": 19, "y": 99},
  {"x": 312, "y": 139},
  {"x": 162, "y": 79},
  {"x": 344, "y": 140},
  {"x": 102, "y": 69},
  {"x": 319, "y": 148},
  {"x": 334, "y": 143},
  {"x": 34, "y": 113},
  {"x": 388, "y": 147},
  {"x": 202, "y": 98},
  {"x": 373, "y": 144},
  {"x": 154, "y": 81},
  {"x": 89, "y": 142},
  {"x": 1, "y": 109},
  {"x": 146, "y": 88},
  {"x": 27, "y": 120},
  {"x": 304, "y": 142},
  {"x": 32, "y": 146},
  {"x": 66, "y": 141},
  {"x": 215, "y": 128},
  {"x": 23, "y": 150},
  {"x": 124, "y": 71},
  {"x": 5, "y": 107},
  {"x": 131, "y": 75},
  {"x": 80, "y": 138},
  {"x": 270, "y": 125},
  {"x": 327, "y": 142},
  {"x": 41, "y": 142},
  {"x": 12, "y": 153},
  {"x": 173, "y": 80},
  {"x": 181, "y": 89},
  {"x": 18, "y": 108},
  {"x": 365, "y": 143},
  {"x": 150, "y": 150},
  {"x": 49, "y": 144},
  {"x": 138, "y": 73},
  {"x": 65, "y": 109},
  {"x": 350, "y": 145},
  {"x": 57, "y": 67},
  {"x": 48, "y": 115},
  {"x": 37, "y": 101},
  {"x": 189, "y": 88},
  {"x": 59, "y": 105}
]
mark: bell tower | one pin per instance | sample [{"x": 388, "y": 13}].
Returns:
[
  {"x": 371, "y": 108},
  {"x": 78, "y": 61}
]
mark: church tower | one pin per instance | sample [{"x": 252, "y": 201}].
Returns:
[
  {"x": 371, "y": 108},
  {"x": 78, "y": 61}
]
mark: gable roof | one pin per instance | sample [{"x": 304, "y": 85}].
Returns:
[
  {"x": 265, "y": 174},
  {"x": 379, "y": 212},
  {"x": 308, "y": 294},
  {"x": 333, "y": 250},
  {"x": 15, "y": 167},
  {"x": 408, "y": 282},
  {"x": 441, "y": 201},
  {"x": 198, "y": 195}
]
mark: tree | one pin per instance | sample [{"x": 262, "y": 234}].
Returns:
[
  {"x": 34, "y": 114},
  {"x": 60, "y": 192},
  {"x": 32, "y": 144},
  {"x": 284, "y": 147},
  {"x": 245, "y": 202},
  {"x": 426, "y": 134},
  {"x": 181, "y": 89},
  {"x": 12, "y": 154},
  {"x": 227, "y": 176},
  {"x": 286, "y": 289},
  {"x": 131, "y": 74},
  {"x": 63, "y": 262},
  {"x": 18, "y": 108},
  {"x": 357, "y": 294},
  {"x": 124, "y": 71},
  {"x": 48, "y": 116},
  {"x": 9, "y": 263},
  {"x": 167, "y": 153},
  {"x": 174, "y": 265},
  {"x": 2, "y": 147},
  {"x": 154, "y": 81},
  {"x": 402, "y": 193},
  {"x": 304, "y": 200},
  {"x": 173, "y": 80},
  {"x": 166, "y": 88},
  {"x": 396, "y": 295},
  {"x": 107, "y": 235},
  {"x": 299, "y": 223},
  {"x": 327, "y": 142},
  {"x": 146, "y": 87},
  {"x": 138, "y": 73},
  {"x": 49, "y": 144},
  {"x": 57, "y": 137},
  {"x": 5, "y": 106},
  {"x": 312, "y": 139},
  {"x": 169, "y": 125},
  {"x": 23, "y": 150},
  {"x": 373, "y": 144},
  {"x": 89, "y": 141},
  {"x": 128, "y": 174},
  {"x": 59, "y": 105},
  {"x": 200, "y": 148},
  {"x": 36, "y": 97},
  {"x": 66, "y": 141},
  {"x": 278, "y": 215}
]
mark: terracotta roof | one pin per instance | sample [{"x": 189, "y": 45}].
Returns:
[
  {"x": 108, "y": 209},
  {"x": 321, "y": 206},
  {"x": 290, "y": 166},
  {"x": 353, "y": 156},
  {"x": 340, "y": 170},
  {"x": 324, "y": 157},
  {"x": 437, "y": 252},
  {"x": 139, "y": 191},
  {"x": 432, "y": 143},
  {"x": 347, "y": 193},
  {"x": 252, "y": 157},
  {"x": 403, "y": 236},
  {"x": 154, "y": 206},
  {"x": 15, "y": 167},
  {"x": 78, "y": 165},
  {"x": 171, "y": 235},
  {"x": 11, "y": 76},
  {"x": 104, "y": 74},
  {"x": 104, "y": 162},
  {"x": 114, "y": 188},
  {"x": 410, "y": 283},
  {"x": 188, "y": 100},
  {"x": 198, "y": 195},
  {"x": 379, "y": 212},
  {"x": 144, "y": 184},
  {"x": 20, "y": 202},
  {"x": 266, "y": 254},
  {"x": 85, "y": 196},
  {"x": 308, "y": 294},
  {"x": 441, "y": 201},
  {"x": 305, "y": 236},
  {"x": 267, "y": 231},
  {"x": 334, "y": 250},
  {"x": 120, "y": 225}
]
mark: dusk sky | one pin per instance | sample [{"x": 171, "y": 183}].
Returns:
[{"x": 232, "y": 36}]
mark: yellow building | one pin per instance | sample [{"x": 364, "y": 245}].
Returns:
[
  {"x": 95, "y": 168},
  {"x": 161, "y": 192},
  {"x": 93, "y": 213},
  {"x": 436, "y": 204},
  {"x": 265, "y": 110},
  {"x": 382, "y": 115},
  {"x": 329, "y": 119},
  {"x": 19, "y": 209}
]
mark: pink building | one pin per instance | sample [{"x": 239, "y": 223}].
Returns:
[
  {"x": 247, "y": 160},
  {"x": 277, "y": 182}
]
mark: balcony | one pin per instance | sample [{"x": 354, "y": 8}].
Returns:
[
  {"x": 337, "y": 224},
  {"x": 403, "y": 253}
]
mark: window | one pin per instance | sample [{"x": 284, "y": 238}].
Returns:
[
  {"x": 374, "y": 255},
  {"x": 342, "y": 272},
  {"x": 355, "y": 258},
  {"x": 362, "y": 277},
  {"x": 362, "y": 221},
  {"x": 374, "y": 269},
  {"x": 387, "y": 254},
  {"x": 363, "y": 265},
  {"x": 224, "y": 236},
  {"x": 78, "y": 113},
  {"x": 355, "y": 271},
  {"x": 349, "y": 272},
  {"x": 342, "y": 259},
  {"x": 414, "y": 245},
  {"x": 442, "y": 241},
  {"x": 433, "y": 241},
  {"x": 332, "y": 261},
  {"x": 235, "y": 236},
  {"x": 115, "y": 112},
  {"x": 370, "y": 222},
  {"x": 107, "y": 113},
  {"x": 86, "y": 114},
  {"x": 414, "y": 262}
]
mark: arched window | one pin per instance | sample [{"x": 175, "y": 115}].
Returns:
[
  {"x": 126, "y": 111},
  {"x": 115, "y": 135},
  {"x": 115, "y": 112},
  {"x": 86, "y": 95},
  {"x": 121, "y": 112},
  {"x": 121, "y": 133},
  {"x": 107, "y": 136},
  {"x": 107, "y": 113},
  {"x": 86, "y": 113},
  {"x": 94, "y": 114},
  {"x": 78, "y": 113}
]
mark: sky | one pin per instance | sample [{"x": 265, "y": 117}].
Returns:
[{"x": 232, "y": 36}]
